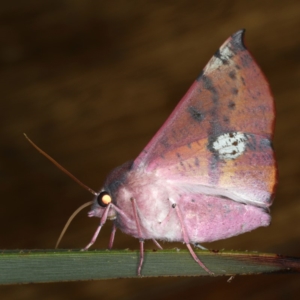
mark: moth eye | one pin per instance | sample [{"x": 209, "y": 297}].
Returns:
[{"x": 104, "y": 199}]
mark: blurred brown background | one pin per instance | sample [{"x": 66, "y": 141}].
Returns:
[{"x": 91, "y": 82}]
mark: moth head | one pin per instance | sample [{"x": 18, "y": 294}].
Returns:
[
  {"x": 109, "y": 193},
  {"x": 101, "y": 203}
]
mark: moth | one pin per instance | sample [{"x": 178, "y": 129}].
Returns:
[{"x": 209, "y": 173}]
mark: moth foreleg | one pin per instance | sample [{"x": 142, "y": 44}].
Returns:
[{"x": 102, "y": 222}]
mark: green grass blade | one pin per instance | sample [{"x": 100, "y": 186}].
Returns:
[{"x": 51, "y": 266}]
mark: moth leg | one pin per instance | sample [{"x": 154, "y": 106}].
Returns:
[
  {"x": 102, "y": 222},
  {"x": 187, "y": 242},
  {"x": 197, "y": 245},
  {"x": 200, "y": 263},
  {"x": 119, "y": 211},
  {"x": 112, "y": 236},
  {"x": 157, "y": 244},
  {"x": 141, "y": 257},
  {"x": 135, "y": 213}
]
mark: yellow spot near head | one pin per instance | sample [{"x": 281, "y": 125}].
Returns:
[{"x": 106, "y": 199}]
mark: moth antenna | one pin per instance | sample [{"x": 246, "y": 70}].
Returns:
[
  {"x": 60, "y": 166},
  {"x": 71, "y": 219}
]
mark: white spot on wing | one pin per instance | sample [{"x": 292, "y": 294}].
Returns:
[{"x": 230, "y": 145}]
